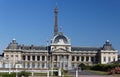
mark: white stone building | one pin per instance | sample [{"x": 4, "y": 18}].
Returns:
[{"x": 58, "y": 54}]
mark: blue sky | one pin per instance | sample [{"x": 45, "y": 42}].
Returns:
[{"x": 85, "y": 22}]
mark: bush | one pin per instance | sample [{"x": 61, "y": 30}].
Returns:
[
  {"x": 65, "y": 71},
  {"x": 8, "y": 75},
  {"x": 23, "y": 73},
  {"x": 103, "y": 67},
  {"x": 20, "y": 74},
  {"x": 82, "y": 66},
  {"x": 55, "y": 72}
]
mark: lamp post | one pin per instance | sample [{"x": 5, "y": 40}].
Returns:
[
  {"x": 77, "y": 71},
  {"x": 51, "y": 66},
  {"x": 32, "y": 71}
]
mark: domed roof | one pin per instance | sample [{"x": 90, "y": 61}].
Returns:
[{"x": 60, "y": 39}]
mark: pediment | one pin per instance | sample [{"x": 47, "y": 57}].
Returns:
[{"x": 60, "y": 50}]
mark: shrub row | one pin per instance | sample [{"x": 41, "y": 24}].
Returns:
[
  {"x": 104, "y": 67},
  {"x": 20, "y": 74}
]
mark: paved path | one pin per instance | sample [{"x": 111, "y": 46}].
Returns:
[
  {"x": 97, "y": 76},
  {"x": 84, "y": 73}
]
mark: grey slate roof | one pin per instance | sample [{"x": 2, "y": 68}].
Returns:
[
  {"x": 27, "y": 47},
  {"x": 34, "y": 47},
  {"x": 85, "y": 48},
  {"x": 14, "y": 45}
]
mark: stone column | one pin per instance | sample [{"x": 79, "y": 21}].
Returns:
[
  {"x": 40, "y": 58},
  {"x": 69, "y": 62},
  {"x": 45, "y": 58},
  {"x": 89, "y": 58},
  {"x": 84, "y": 58},
  {"x": 75, "y": 58},
  {"x": 80, "y": 58},
  {"x": 30, "y": 57},
  {"x": 45, "y": 65},
  {"x": 26, "y": 65},
  {"x": 94, "y": 59},
  {"x": 39, "y": 65},
  {"x": 35, "y": 57},
  {"x": 26, "y": 57},
  {"x": 36, "y": 65},
  {"x": 58, "y": 58},
  {"x": 31, "y": 65},
  {"x": 53, "y": 58}
]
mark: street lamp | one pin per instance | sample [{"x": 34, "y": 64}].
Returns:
[{"x": 77, "y": 71}]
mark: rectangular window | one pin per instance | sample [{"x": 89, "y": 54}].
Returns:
[
  {"x": 33, "y": 58},
  {"x": 43, "y": 65},
  {"x": 28, "y": 57},
  {"x": 38, "y": 58},
  {"x": 55, "y": 58},
  {"x": 11, "y": 55},
  {"x": 16, "y": 56},
  {"x": 23, "y": 57},
  {"x": 114, "y": 59},
  {"x": 104, "y": 59},
  {"x": 33, "y": 65},
  {"x": 38, "y": 65},
  {"x": 73, "y": 58},
  {"x": 77, "y": 58},
  {"x": 67, "y": 57},
  {"x": 87, "y": 58},
  {"x": 109, "y": 59},
  {"x": 7, "y": 55},
  {"x": 92, "y": 59},
  {"x": 82, "y": 58},
  {"x": 43, "y": 58},
  {"x": 72, "y": 65}
]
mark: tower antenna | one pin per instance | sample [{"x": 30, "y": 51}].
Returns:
[{"x": 56, "y": 20}]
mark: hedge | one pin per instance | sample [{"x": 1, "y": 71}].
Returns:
[
  {"x": 20, "y": 74},
  {"x": 104, "y": 67}
]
